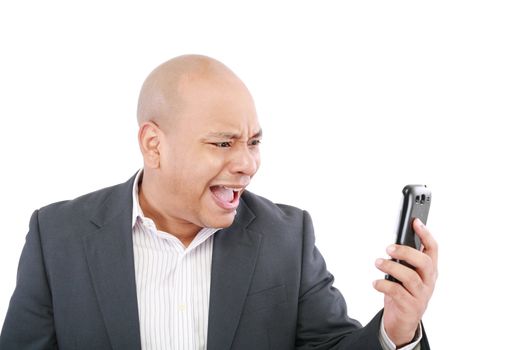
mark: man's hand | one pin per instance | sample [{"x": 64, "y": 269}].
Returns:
[{"x": 406, "y": 303}]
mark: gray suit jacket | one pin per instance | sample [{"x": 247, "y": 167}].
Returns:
[{"x": 269, "y": 286}]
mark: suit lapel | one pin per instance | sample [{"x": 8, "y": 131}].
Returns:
[
  {"x": 235, "y": 251},
  {"x": 109, "y": 253}
]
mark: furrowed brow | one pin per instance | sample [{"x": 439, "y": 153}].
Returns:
[
  {"x": 257, "y": 135},
  {"x": 223, "y": 135},
  {"x": 230, "y": 135}
]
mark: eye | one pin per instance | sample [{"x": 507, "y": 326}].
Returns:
[
  {"x": 223, "y": 144},
  {"x": 254, "y": 142}
]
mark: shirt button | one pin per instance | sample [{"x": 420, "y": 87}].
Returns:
[{"x": 182, "y": 307}]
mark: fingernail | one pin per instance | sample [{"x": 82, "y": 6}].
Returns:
[
  {"x": 391, "y": 248},
  {"x": 419, "y": 222},
  {"x": 379, "y": 262}
]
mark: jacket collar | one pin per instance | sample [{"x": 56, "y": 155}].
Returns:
[
  {"x": 109, "y": 254},
  {"x": 235, "y": 253}
]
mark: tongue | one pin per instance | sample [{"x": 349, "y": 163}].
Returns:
[{"x": 222, "y": 193}]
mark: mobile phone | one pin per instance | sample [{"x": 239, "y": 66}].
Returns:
[{"x": 415, "y": 204}]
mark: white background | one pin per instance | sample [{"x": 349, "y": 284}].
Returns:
[{"x": 355, "y": 99}]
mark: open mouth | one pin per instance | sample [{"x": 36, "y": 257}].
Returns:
[{"x": 226, "y": 197}]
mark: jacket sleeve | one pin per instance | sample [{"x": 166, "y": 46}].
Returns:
[
  {"x": 29, "y": 321},
  {"x": 322, "y": 321}
]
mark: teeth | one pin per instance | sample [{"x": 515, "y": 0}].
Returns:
[{"x": 233, "y": 189}]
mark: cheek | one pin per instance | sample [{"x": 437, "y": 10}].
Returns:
[
  {"x": 191, "y": 170},
  {"x": 199, "y": 172},
  {"x": 175, "y": 168}
]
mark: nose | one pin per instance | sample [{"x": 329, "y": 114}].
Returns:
[{"x": 245, "y": 160}]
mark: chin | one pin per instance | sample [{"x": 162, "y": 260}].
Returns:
[{"x": 221, "y": 221}]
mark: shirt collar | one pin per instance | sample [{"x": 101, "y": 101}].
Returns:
[{"x": 137, "y": 210}]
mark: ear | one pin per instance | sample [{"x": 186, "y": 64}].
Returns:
[{"x": 149, "y": 142}]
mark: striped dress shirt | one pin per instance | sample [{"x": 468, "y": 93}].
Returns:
[{"x": 173, "y": 284}]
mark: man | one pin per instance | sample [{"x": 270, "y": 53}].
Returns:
[{"x": 181, "y": 256}]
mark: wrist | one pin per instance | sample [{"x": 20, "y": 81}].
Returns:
[{"x": 402, "y": 338}]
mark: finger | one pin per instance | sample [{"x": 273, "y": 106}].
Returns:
[
  {"x": 428, "y": 241},
  {"x": 395, "y": 291},
  {"x": 421, "y": 261},
  {"x": 410, "y": 279}
]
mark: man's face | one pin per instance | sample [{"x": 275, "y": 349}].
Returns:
[{"x": 209, "y": 153}]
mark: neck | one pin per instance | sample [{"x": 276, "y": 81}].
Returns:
[{"x": 185, "y": 231}]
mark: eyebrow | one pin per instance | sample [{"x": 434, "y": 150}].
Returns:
[{"x": 230, "y": 135}]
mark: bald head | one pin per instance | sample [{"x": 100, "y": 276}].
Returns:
[{"x": 162, "y": 96}]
